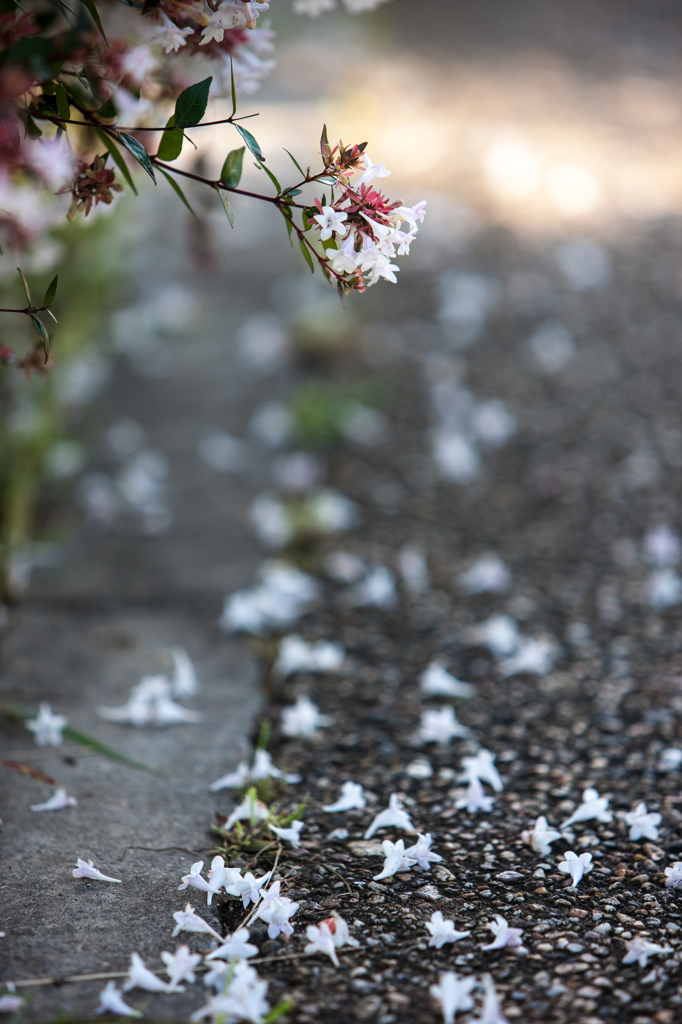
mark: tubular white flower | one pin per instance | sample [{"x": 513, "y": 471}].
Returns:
[
  {"x": 86, "y": 869},
  {"x": 393, "y": 817},
  {"x": 442, "y": 931},
  {"x": 576, "y": 866},
  {"x": 139, "y": 976},
  {"x": 504, "y": 935},
  {"x": 46, "y": 727},
  {"x": 111, "y": 1001},
  {"x": 352, "y": 798},
  {"x": 59, "y": 801}
]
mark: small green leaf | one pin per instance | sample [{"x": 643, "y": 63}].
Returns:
[
  {"x": 234, "y": 91},
  {"x": 170, "y": 146},
  {"x": 327, "y": 180},
  {"x": 231, "y": 173},
  {"x": 227, "y": 206},
  {"x": 264, "y": 734},
  {"x": 44, "y": 336},
  {"x": 291, "y": 192},
  {"x": 63, "y": 108},
  {"x": 250, "y": 142},
  {"x": 107, "y": 109},
  {"x": 306, "y": 252},
  {"x": 178, "y": 191},
  {"x": 137, "y": 150},
  {"x": 102, "y": 748},
  {"x": 271, "y": 176},
  {"x": 94, "y": 14},
  {"x": 278, "y": 1011},
  {"x": 290, "y": 227},
  {"x": 117, "y": 157},
  {"x": 25, "y": 284},
  {"x": 51, "y": 291},
  {"x": 296, "y": 163},
  {"x": 190, "y": 105}
]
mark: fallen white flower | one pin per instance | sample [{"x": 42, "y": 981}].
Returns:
[
  {"x": 140, "y": 976},
  {"x": 504, "y": 935},
  {"x": 422, "y": 853},
  {"x": 150, "y": 703},
  {"x": 576, "y": 866},
  {"x": 482, "y": 767},
  {"x": 10, "y": 1003},
  {"x": 453, "y": 994},
  {"x": 499, "y": 634},
  {"x": 111, "y": 1001},
  {"x": 352, "y": 798},
  {"x": 185, "y": 682},
  {"x": 376, "y": 590},
  {"x": 442, "y": 931},
  {"x": 414, "y": 570},
  {"x": 396, "y": 859},
  {"x": 330, "y": 935},
  {"x": 243, "y": 999},
  {"x": 440, "y": 726},
  {"x": 487, "y": 574},
  {"x": 670, "y": 760},
  {"x": 343, "y": 567},
  {"x": 248, "y": 888},
  {"x": 187, "y": 921},
  {"x": 674, "y": 874},
  {"x": 535, "y": 657},
  {"x": 212, "y": 887},
  {"x": 642, "y": 823},
  {"x": 540, "y": 836},
  {"x": 327, "y": 511},
  {"x": 180, "y": 966},
  {"x": 249, "y": 809},
  {"x": 46, "y": 727},
  {"x": 475, "y": 799},
  {"x": 436, "y": 681},
  {"x": 272, "y": 521},
  {"x": 282, "y": 597},
  {"x": 419, "y": 769},
  {"x": 662, "y": 546},
  {"x": 57, "y": 802},
  {"x": 640, "y": 949},
  {"x": 393, "y": 817},
  {"x": 291, "y": 835},
  {"x": 303, "y": 718},
  {"x": 492, "y": 1011},
  {"x": 86, "y": 869},
  {"x": 296, "y": 655},
  {"x": 276, "y": 911},
  {"x": 663, "y": 588},
  {"x": 235, "y": 947},
  {"x": 593, "y": 806},
  {"x": 262, "y": 768}
]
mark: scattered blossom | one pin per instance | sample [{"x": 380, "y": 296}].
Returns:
[
  {"x": 504, "y": 935},
  {"x": 662, "y": 546},
  {"x": 442, "y": 931},
  {"x": 262, "y": 768},
  {"x": 248, "y": 888},
  {"x": 244, "y": 998},
  {"x": 674, "y": 873},
  {"x": 414, "y": 570},
  {"x": 535, "y": 657},
  {"x": 111, "y": 1001},
  {"x": 281, "y": 598},
  {"x": 499, "y": 634},
  {"x": 303, "y": 718},
  {"x": 392, "y": 817},
  {"x": 276, "y": 911},
  {"x": 482, "y": 767},
  {"x": 235, "y": 947},
  {"x": 475, "y": 799},
  {"x": 663, "y": 588},
  {"x": 180, "y": 966},
  {"x": 421, "y": 852},
  {"x": 492, "y": 1011},
  {"x": 436, "y": 681},
  {"x": 440, "y": 726},
  {"x": 185, "y": 682},
  {"x": 640, "y": 949},
  {"x": 140, "y": 976},
  {"x": 540, "y": 836},
  {"x": 150, "y": 703},
  {"x": 642, "y": 823},
  {"x": 576, "y": 866},
  {"x": 216, "y": 878},
  {"x": 352, "y": 798},
  {"x": 291, "y": 835},
  {"x": 376, "y": 590},
  {"x": 295, "y": 655},
  {"x": 487, "y": 574},
  {"x": 86, "y": 869},
  {"x": 453, "y": 993},
  {"x": 396, "y": 859},
  {"x": 187, "y": 921},
  {"x": 57, "y": 802},
  {"x": 10, "y": 1003},
  {"x": 46, "y": 727},
  {"x": 592, "y": 807},
  {"x": 250, "y": 809},
  {"x": 330, "y": 935}
]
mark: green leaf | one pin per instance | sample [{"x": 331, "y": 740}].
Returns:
[
  {"x": 44, "y": 336},
  {"x": 227, "y": 206},
  {"x": 63, "y": 108},
  {"x": 324, "y": 140},
  {"x": 234, "y": 91},
  {"x": 137, "y": 150},
  {"x": 231, "y": 173},
  {"x": 271, "y": 176},
  {"x": 25, "y": 284},
  {"x": 117, "y": 157},
  {"x": 102, "y": 748},
  {"x": 107, "y": 109},
  {"x": 291, "y": 192},
  {"x": 250, "y": 142},
  {"x": 290, "y": 227},
  {"x": 327, "y": 180},
  {"x": 296, "y": 163},
  {"x": 264, "y": 734},
  {"x": 178, "y": 191},
  {"x": 306, "y": 252},
  {"x": 170, "y": 146},
  {"x": 190, "y": 105},
  {"x": 51, "y": 291},
  {"x": 94, "y": 14},
  {"x": 278, "y": 1011}
]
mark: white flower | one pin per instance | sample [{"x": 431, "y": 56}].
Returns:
[
  {"x": 235, "y": 947},
  {"x": 576, "y": 866},
  {"x": 376, "y": 590},
  {"x": 373, "y": 261},
  {"x": 214, "y": 30},
  {"x": 453, "y": 994},
  {"x": 140, "y": 976},
  {"x": 456, "y": 457},
  {"x": 283, "y": 596},
  {"x": 504, "y": 935},
  {"x": 533, "y": 656},
  {"x": 330, "y": 935},
  {"x": 169, "y": 36},
  {"x": 150, "y": 703},
  {"x": 396, "y": 859},
  {"x": 249, "y": 809},
  {"x": 352, "y": 798},
  {"x": 344, "y": 260},
  {"x": 593, "y": 806},
  {"x": 303, "y": 718},
  {"x": 295, "y": 655},
  {"x": 371, "y": 172},
  {"x": 540, "y": 836},
  {"x": 212, "y": 887},
  {"x": 413, "y": 214},
  {"x": 442, "y": 931},
  {"x": 180, "y": 966},
  {"x": 138, "y": 62},
  {"x": 492, "y": 1011},
  {"x": 662, "y": 546},
  {"x": 331, "y": 222},
  {"x": 187, "y": 921},
  {"x": 9, "y": 1003},
  {"x": 670, "y": 760},
  {"x": 313, "y": 8},
  {"x": 640, "y": 949},
  {"x": 262, "y": 768},
  {"x": 674, "y": 874},
  {"x": 291, "y": 835},
  {"x": 642, "y": 823},
  {"x": 482, "y": 767},
  {"x": 248, "y": 888},
  {"x": 46, "y": 727},
  {"x": 663, "y": 588},
  {"x": 422, "y": 853},
  {"x": 272, "y": 521},
  {"x": 185, "y": 682},
  {"x": 436, "y": 681},
  {"x": 499, "y": 634},
  {"x": 475, "y": 799},
  {"x": 393, "y": 817},
  {"x": 414, "y": 570},
  {"x": 440, "y": 726},
  {"x": 243, "y": 1000},
  {"x": 57, "y": 802},
  {"x": 488, "y": 573},
  {"x": 86, "y": 869},
  {"x": 111, "y": 1001},
  {"x": 328, "y": 511},
  {"x": 276, "y": 910}
]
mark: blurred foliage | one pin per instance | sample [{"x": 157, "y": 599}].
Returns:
[{"x": 320, "y": 408}]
